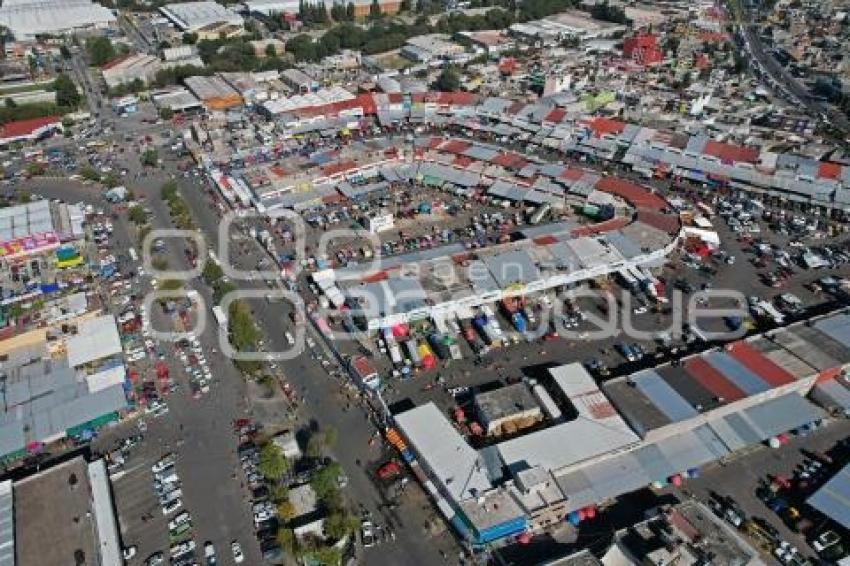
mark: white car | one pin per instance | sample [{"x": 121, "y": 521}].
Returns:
[
  {"x": 165, "y": 462},
  {"x": 179, "y": 520},
  {"x": 236, "y": 549},
  {"x": 172, "y": 506},
  {"x": 367, "y": 533}
]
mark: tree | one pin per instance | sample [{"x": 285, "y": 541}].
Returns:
[
  {"x": 286, "y": 510},
  {"x": 405, "y": 6},
  {"x": 67, "y": 95},
  {"x": 111, "y": 180},
  {"x": 100, "y": 50},
  {"x": 65, "y": 52},
  {"x": 137, "y": 215},
  {"x": 150, "y": 157},
  {"x": 166, "y": 113},
  {"x": 287, "y": 541},
  {"x": 271, "y": 50},
  {"x": 326, "y": 481},
  {"x": 349, "y": 12},
  {"x": 212, "y": 272},
  {"x": 449, "y": 79},
  {"x": 375, "y": 10},
  {"x": 190, "y": 38},
  {"x": 273, "y": 464},
  {"x": 339, "y": 524},
  {"x": 89, "y": 173},
  {"x": 10, "y": 103},
  {"x": 279, "y": 493}
]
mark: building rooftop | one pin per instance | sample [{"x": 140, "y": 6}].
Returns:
[
  {"x": 452, "y": 460},
  {"x": 833, "y": 498},
  {"x": 27, "y": 18},
  {"x": 56, "y": 506},
  {"x": 191, "y": 16},
  {"x": 505, "y": 402},
  {"x": 96, "y": 338}
]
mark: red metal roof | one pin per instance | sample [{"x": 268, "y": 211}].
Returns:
[
  {"x": 829, "y": 170},
  {"x": 600, "y": 228},
  {"x": 339, "y": 167},
  {"x": 375, "y": 277},
  {"x": 509, "y": 160},
  {"x": 455, "y": 146},
  {"x": 760, "y": 365},
  {"x": 462, "y": 161},
  {"x": 729, "y": 153},
  {"x": 571, "y": 174},
  {"x": 712, "y": 380},
  {"x": 556, "y": 115},
  {"x": 109, "y": 64},
  {"x": 434, "y": 143},
  {"x": 545, "y": 240},
  {"x": 637, "y": 196},
  {"x": 21, "y": 128},
  {"x": 602, "y": 126},
  {"x": 668, "y": 223}
]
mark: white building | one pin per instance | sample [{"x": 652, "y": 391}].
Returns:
[
  {"x": 27, "y": 18},
  {"x": 191, "y": 16}
]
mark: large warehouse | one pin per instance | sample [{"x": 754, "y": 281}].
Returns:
[
  {"x": 192, "y": 16},
  {"x": 654, "y": 427},
  {"x": 27, "y": 18}
]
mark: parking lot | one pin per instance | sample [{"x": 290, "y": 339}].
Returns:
[{"x": 740, "y": 479}]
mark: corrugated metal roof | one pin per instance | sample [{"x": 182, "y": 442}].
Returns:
[
  {"x": 833, "y": 499},
  {"x": 838, "y": 393},
  {"x": 446, "y": 453},
  {"x": 782, "y": 414},
  {"x": 96, "y": 338},
  {"x": 664, "y": 397},
  {"x": 737, "y": 373},
  {"x": 7, "y": 524},
  {"x": 836, "y": 327}
]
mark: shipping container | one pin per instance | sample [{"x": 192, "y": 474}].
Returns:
[{"x": 437, "y": 342}]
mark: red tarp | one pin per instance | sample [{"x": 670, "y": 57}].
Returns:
[
  {"x": 712, "y": 380},
  {"x": 754, "y": 361}
]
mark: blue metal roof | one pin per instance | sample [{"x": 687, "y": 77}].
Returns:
[
  {"x": 664, "y": 397},
  {"x": 737, "y": 373},
  {"x": 833, "y": 499}
]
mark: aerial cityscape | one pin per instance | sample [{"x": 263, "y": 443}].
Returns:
[{"x": 424, "y": 282}]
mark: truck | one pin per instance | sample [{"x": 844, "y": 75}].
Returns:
[
  {"x": 480, "y": 324},
  {"x": 364, "y": 371},
  {"x": 437, "y": 342},
  {"x": 220, "y": 316},
  {"x": 413, "y": 352},
  {"x": 395, "y": 352}
]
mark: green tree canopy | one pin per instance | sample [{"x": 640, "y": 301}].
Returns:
[
  {"x": 100, "y": 50},
  {"x": 449, "y": 79},
  {"x": 273, "y": 464}
]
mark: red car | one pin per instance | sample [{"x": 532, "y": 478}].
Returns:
[{"x": 389, "y": 470}]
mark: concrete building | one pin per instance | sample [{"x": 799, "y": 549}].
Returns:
[
  {"x": 271, "y": 7},
  {"x": 26, "y": 19},
  {"x": 507, "y": 410},
  {"x": 261, "y": 46},
  {"x": 299, "y": 81},
  {"x": 214, "y": 92},
  {"x": 192, "y": 16},
  {"x": 140, "y": 66},
  {"x": 176, "y": 100},
  {"x": 654, "y": 427},
  {"x": 70, "y": 505}
]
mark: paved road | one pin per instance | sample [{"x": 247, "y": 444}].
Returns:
[
  {"x": 793, "y": 89},
  {"x": 324, "y": 403}
]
